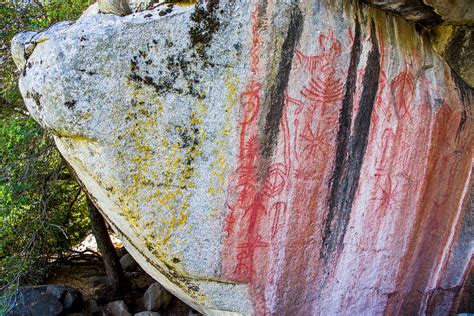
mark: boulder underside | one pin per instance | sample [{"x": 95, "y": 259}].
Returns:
[{"x": 268, "y": 158}]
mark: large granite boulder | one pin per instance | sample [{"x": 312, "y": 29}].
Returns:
[{"x": 263, "y": 157}]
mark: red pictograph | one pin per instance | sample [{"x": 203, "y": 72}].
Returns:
[
  {"x": 316, "y": 108},
  {"x": 315, "y": 143},
  {"x": 230, "y": 220},
  {"x": 247, "y": 207},
  {"x": 250, "y": 100},
  {"x": 292, "y": 101},
  {"x": 388, "y": 138},
  {"x": 307, "y": 63},
  {"x": 247, "y": 249},
  {"x": 256, "y": 42},
  {"x": 326, "y": 90},
  {"x": 383, "y": 110},
  {"x": 276, "y": 180},
  {"x": 387, "y": 194},
  {"x": 260, "y": 204},
  {"x": 330, "y": 46},
  {"x": 403, "y": 92},
  {"x": 277, "y": 214},
  {"x": 330, "y": 51}
]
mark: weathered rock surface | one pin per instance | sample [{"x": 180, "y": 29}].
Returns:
[
  {"x": 91, "y": 307},
  {"x": 268, "y": 158},
  {"x": 70, "y": 298},
  {"x": 58, "y": 291},
  {"x": 414, "y": 10}
]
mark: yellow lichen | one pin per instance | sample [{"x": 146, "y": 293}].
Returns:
[
  {"x": 219, "y": 166},
  {"x": 161, "y": 159}
]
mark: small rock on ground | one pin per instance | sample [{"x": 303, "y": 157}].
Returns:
[
  {"x": 58, "y": 291},
  {"x": 147, "y": 313},
  {"x": 72, "y": 300},
  {"x": 118, "y": 308},
  {"x": 91, "y": 306},
  {"x": 156, "y": 297},
  {"x": 128, "y": 263}
]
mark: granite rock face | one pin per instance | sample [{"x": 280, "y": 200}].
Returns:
[{"x": 268, "y": 157}]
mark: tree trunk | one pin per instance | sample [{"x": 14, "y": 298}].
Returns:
[{"x": 113, "y": 268}]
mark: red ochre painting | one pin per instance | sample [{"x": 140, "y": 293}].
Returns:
[{"x": 359, "y": 193}]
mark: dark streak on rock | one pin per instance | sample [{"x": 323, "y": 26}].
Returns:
[
  {"x": 456, "y": 51},
  {"x": 70, "y": 104},
  {"x": 205, "y": 24},
  {"x": 36, "y": 97},
  {"x": 275, "y": 99},
  {"x": 176, "y": 66},
  {"x": 27, "y": 66},
  {"x": 466, "y": 95},
  {"x": 342, "y": 138},
  {"x": 350, "y": 148},
  {"x": 160, "y": 88}
]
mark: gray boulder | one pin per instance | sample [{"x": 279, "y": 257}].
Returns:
[
  {"x": 72, "y": 300},
  {"x": 35, "y": 303},
  {"x": 147, "y": 313},
  {"x": 156, "y": 297},
  {"x": 117, "y": 7},
  {"x": 58, "y": 291},
  {"x": 91, "y": 307},
  {"x": 128, "y": 263},
  {"x": 118, "y": 308}
]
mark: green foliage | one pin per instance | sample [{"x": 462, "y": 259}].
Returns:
[
  {"x": 42, "y": 209},
  {"x": 16, "y": 17}
]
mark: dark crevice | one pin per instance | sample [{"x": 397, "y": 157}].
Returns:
[
  {"x": 411, "y": 10},
  {"x": 350, "y": 149}
]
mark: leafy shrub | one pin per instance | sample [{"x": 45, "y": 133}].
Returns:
[{"x": 43, "y": 211}]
